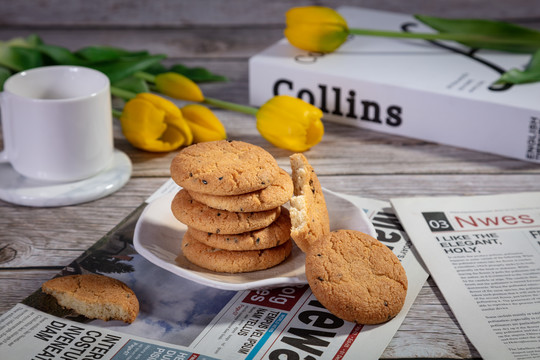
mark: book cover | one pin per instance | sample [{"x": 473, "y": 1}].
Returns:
[{"x": 437, "y": 91}]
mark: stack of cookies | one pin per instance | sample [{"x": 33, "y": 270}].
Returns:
[{"x": 231, "y": 201}]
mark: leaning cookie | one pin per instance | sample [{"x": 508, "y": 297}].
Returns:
[
  {"x": 94, "y": 296},
  {"x": 356, "y": 277},
  {"x": 224, "y": 168},
  {"x": 273, "y": 235},
  {"x": 309, "y": 215},
  {"x": 202, "y": 217},
  {"x": 233, "y": 261},
  {"x": 275, "y": 195}
]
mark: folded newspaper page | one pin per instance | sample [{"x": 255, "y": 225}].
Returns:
[
  {"x": 484, "y": 254},
  {"x": 184, "y": 319}
]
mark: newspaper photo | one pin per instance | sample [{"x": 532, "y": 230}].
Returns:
[
  {"x": 484, "y": 254},
  {"x": 184, "y": 319}
]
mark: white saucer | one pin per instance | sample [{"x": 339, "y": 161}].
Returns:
[
  {"x": 158, "y": 235},
  {"x": 17, "y": 189}
]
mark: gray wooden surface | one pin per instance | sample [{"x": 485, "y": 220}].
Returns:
[{"x": 35, "y": 243}]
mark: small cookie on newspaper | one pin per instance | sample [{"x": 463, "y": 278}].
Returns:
[{"x": 94, "y": 296}]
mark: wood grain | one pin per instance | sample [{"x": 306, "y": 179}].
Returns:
[
  {"x": 185, "y": 13},
  {"x": 17, "y": 284}
]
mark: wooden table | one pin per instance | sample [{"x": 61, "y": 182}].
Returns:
[{"x": 35, "y": 243}]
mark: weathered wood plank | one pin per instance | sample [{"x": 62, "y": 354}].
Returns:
[
  {"x": 352, "y": 151},
  {"x": 185, "y": 13},
  {"x": 178, "y": 45},
  {"x": 188, "y": 43},
  {"x": 59, "y": 235},
  {"x": 347, "y": 150},
  {"x": 431, "y": 330},
  {"x": 15, "y": 285},
  {"x": 55, "y": 236}
]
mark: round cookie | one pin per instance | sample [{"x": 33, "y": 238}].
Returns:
[
  {"x": 224, "y": 168},
  {"x": 202, "y": 217},
  {"x": 275, "y": 195},
  {"x": 273, "y": 235},
  {"x": 309, "y": 215},
  {"x": 356, "y": 277},
  {"x": 233, "y": 261}
]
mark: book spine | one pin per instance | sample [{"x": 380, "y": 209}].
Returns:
[{"x": 451, "y": 120}]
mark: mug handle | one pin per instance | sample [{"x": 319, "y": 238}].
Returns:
[{"x": 5, "y": 126}]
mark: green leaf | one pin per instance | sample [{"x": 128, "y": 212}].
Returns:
[
  {"x": 4, "y": 75},
  {"x": 33, "y": 40},
  {"x": 60, "y": 55},
  {"x": 494, "y": 35},
  {"x": 123, "y": 68},
  {"x": 156, "y": 68},
  {"x": 132, "y": 84},
  {"x": 197, "y": 74},
  {"x": 529, "y": 75},
  {"x": 26, "y": 58},
  {"x": 18, "y": 60},
  {"x": 95, "y": 54}
]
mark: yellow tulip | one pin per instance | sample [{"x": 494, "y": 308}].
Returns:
[
  {"x": 290, "y": 123},
  {"x": 150, "y": 122},
  {"x": 315, "y": 28},
  {"x": 178, "y": 86},
  {"x": 204, "y": 125}
]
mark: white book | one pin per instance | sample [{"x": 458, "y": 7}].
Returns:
[{"x": 439, "y": 92}]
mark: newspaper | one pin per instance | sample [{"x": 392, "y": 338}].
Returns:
[
  {"x": 182, "y": 319},
  {"x": 484, "y": 254}
]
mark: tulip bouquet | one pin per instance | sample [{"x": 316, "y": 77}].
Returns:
[{"x": 153, "y": 123}]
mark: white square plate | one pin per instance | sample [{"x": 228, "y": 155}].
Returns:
[{"x": 158, "y": 236}]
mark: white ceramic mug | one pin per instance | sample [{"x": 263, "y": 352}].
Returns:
[{"x": 57, "y": 123}]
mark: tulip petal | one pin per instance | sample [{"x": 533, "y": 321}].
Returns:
[
  {"x": 316, "y": 28},
  {"x": 204, "y": 124},
  {"x": 290, "y": 123},
  {"x": 155, "y": 145},
  {"x": 173, "y": 115},
  {"x": 152, "y": 123},
  {"x": 314, "y": 14},
  {"x": 181, "y": 127},
  {"x": 140, "y": 116},
  {"x": 316, "y": 38},
  {"x": 179, "y": 87},
  {"x": 161, "y": 103}
]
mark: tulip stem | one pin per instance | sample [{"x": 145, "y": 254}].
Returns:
[
  {"x": 121, "y": 93},
  {"x": 145, "y": 76},
  {"x": 116, "y": 113},
  {"x": 440, "y": 36},
  {"x": 231, "y": 106}
]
